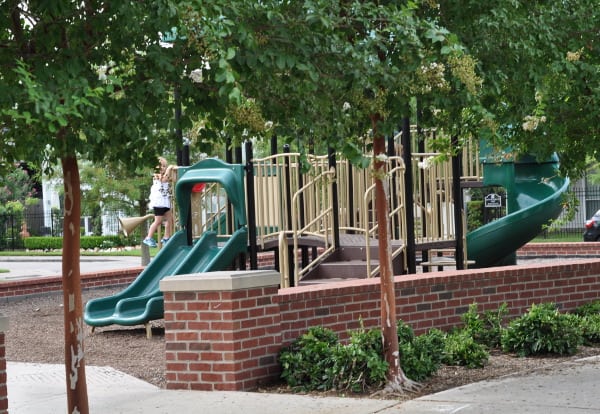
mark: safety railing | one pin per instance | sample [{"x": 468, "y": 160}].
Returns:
[
  {"x": 396, "y": 212},
  {"x": 315, "y": 197}
]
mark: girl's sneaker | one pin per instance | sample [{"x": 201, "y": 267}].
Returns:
[
  {"x": 164, "y": 240},
  {"x": 149, "y": 242}
]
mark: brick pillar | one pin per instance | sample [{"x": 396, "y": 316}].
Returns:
[
  {"x": 3, "y": 389},
  {"x": 222, "y": 330}
]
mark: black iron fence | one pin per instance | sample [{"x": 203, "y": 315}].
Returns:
[{"x": 15, "y": 227}]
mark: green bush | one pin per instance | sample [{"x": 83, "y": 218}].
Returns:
[
  {"x": 86, "y": 242},
  {"x": 590, "y": 329},
  {"x": 543, "y": 330},
  {"x": 317, "y": 361},
  {"x": 359, "y": 365},
  {"x": 461, "y": 349},
  {"x": 485, "y": 329},
  {"x": 474, "y": 214},
  {"x": 306, "y": 363},
  {"x": 421, "y": 357},
  {"x": 588, "y": 309}
]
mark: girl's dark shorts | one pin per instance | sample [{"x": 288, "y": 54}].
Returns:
[{"x": 160, "y": 211}]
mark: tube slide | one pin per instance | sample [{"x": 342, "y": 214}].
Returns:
[{"x": 534, "y": 191}]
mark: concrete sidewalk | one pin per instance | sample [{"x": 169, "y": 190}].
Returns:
[
  {"x": 567, "y": 388},
  {"x": 27, "y": 267}
]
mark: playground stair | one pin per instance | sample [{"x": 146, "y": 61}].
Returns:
[{"x": 350, "y": 261}]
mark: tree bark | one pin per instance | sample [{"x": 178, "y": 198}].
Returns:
[
  {"x": 388, "y": 295},
  {"x": 397, "y": 382},
  {"x": 77, "y": 398}
]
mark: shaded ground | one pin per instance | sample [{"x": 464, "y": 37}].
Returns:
[{"x": 36, "y": 334}]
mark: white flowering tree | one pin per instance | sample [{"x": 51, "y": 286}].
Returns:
[
  {"x": 540, "y": 61},
  {"x": 345, "y": 72},
  {"x": 91, "y": 80}
]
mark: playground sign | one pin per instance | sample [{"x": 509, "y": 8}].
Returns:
[{"x": 493, "y": 201}]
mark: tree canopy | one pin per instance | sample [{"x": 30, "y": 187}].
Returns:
[
  {"x": 540, "y": 62},
  {"x": 117, "y": 81}
]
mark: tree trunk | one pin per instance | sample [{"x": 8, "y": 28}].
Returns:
[
  {"x": 396, "y": 380},
  {"x": 77, "y": 398}
]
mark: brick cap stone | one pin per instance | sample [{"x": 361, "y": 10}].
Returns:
[
  {"x": 3, "y": 323},
  {"x": 220, "y": 281}
]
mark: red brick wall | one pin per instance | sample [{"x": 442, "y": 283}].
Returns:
[
  {"x": 560, "y": 249},
  {"x": 3, "y": 388},
  {"x": 438, "y": 299},
  {"x": 40, "y": 285},
  {"x": 432, "y": 300},
  {"x": 222, "y": 340}
]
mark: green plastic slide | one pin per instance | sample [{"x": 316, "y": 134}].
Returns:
[
  {"x": 142, "y": 301},
  {"x": 534, "y": 198}
]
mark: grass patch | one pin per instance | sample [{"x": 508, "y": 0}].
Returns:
[
  {"x": 558, "y": 238},
  {"x": 131, "y": 253}
]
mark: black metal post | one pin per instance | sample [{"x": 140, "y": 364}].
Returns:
[
  {"x": 185, "y": 161},
  {"x": 251, "y": 209},
  {"x": 408, "y": 196},
  {"x": 335, "y": 201},
  {"x": 459, "y": 254},
  {"x": 274, "y": 144},
  {"x": 228, "y": 151}
]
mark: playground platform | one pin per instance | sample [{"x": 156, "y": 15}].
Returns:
[{"x": 567, "y": 388}]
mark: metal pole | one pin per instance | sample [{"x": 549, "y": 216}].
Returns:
[
  {"x": 458, "y": 206},
  {"x": 251, "y": 199},
  {"x": 408, "y": 190},
  {"x": 335, "y": 201}
]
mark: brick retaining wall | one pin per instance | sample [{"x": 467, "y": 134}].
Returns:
[
  {"x": 222, "y": 330},
  {"x": 424, "y": 301},
  {"x": 439, "y": 299},
  {"x": 53, "y": 284},
  {"x": 582, "y": 249}
]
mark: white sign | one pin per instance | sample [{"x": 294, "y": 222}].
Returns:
[{"x": 493, "y": 200}]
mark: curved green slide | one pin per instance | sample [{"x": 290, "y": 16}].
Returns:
[
  {"x": 534, "y": 198},
  {"x": 142, "y": 300}
]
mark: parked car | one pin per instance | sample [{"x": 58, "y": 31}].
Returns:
[{"x": 592, "y": 228}]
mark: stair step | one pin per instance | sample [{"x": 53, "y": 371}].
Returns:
[{"x": 348, "y": 269}]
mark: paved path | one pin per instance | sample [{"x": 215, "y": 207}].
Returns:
[
  {"x": 568, "y": 388},
  {"x": 24, "y": 267}
]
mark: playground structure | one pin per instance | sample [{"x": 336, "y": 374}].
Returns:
[{"x": 319, "y": 223}]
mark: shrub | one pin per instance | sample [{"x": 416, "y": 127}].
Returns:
[
  {"x": 359, "y": 365},
  {"x": 588, "y": 309},
  {"x": 461, "y": 349},
  {"x": 317, "y": 361},
  {"x": 420, "y": 356},
  {"x": 485, "y": 329},
  {"x": 590, "y": 329},
  {"x": 86, "y": 242},
  {"x": 474, "y": 214},
  {"x": 542, "y": 330},
  {"x": 307, "y": 362}
]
